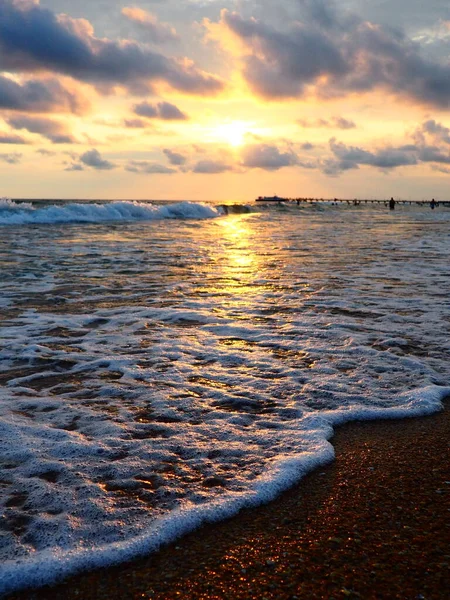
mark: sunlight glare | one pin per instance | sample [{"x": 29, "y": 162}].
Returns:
[{"x": 232, "y": 132}]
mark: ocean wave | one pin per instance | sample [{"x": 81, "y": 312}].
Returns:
[
  {"x": 25, "y": 213},
  {"x": 173, "y": 375}
]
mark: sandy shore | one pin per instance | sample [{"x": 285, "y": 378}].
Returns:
[{"x": 375, "y": 524}]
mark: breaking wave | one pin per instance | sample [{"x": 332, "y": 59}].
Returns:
[{"x": 26, "y": 213}]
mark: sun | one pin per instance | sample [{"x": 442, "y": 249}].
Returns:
[{"x": 232, "y": 132}]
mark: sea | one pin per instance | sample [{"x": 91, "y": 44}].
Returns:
[{"x": 165, "y": 364}]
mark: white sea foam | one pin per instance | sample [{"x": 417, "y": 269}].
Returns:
[
  {"x": 25, "y": 213},
  {"x": 155, "y": 377},
  {"x": 8, "y": 204}
]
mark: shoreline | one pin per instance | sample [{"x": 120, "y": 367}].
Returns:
[{"x": 374, "y": 523}]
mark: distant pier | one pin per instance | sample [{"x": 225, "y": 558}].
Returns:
[{"x": 354, "y": 202}]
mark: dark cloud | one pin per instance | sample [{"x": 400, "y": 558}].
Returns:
[
  {"x": 433, "y": 154},
  {"x": 336, "y": 54},
  {"x": 432, "y": 140},
  {"x": 135, "y": 123},
  {"x": 148, "y": 168},
  {"x": 92, "y": 158},
  {"x": 280, "y": 65},
  {"x": 350, "y": 157},
  {"x": 11, "y": 159},
  {"x": 33, "y": 39},
  {"x": 144, "y": 109},
  {"x": 350, "y": 154},
  {"x": 154, "y": 31},
  {"x": 12, "y": 139},
  {"x": 322, "y": 12},
  {"x": 390, "y": 158},
  {"x": 342, "y": 123},
  {"x": 408, "y": 148},
  {"x": 49, "y": 128},
  {"x": 175, "y": 158},
  {"x": 46, "y": 95},
  {"x": 161, "y": 110},
  {"x": 170, "y": 112},
  {"x": 436, "y": 130},
  {"x": 74, "y": 167},
  {"x": 265, "y": 156},
  {"x": 211, "y": 167},
  {"x": 431, "y": 146},
  {"x": 307, "y": 164}
]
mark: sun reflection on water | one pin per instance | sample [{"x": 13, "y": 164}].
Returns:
[
  {"x": 238, "y": 246},
  {"x": 238, "y": 270}
]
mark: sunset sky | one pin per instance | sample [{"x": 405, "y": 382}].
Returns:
[{"x": 223, "y": 99}]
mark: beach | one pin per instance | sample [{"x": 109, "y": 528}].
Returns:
[
  {"x": 224, "y": 299},
  {"x": 374, "y": 524},
  {"x": 166, "y": 366}
]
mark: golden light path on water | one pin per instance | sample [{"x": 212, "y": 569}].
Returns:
[{"x": 237, "y": 243}]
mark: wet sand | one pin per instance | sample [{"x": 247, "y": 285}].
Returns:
[{"x": 374, "y": 524}]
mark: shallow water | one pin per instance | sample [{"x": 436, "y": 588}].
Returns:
[{"x": 165, "y": 365}]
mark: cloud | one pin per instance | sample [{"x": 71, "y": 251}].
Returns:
[
  {"x": 436, "y": 130},
  {"x": 333, "y": 54},
  {"x": 350, "y": 157},
  {"x": 34, "y": 39},
  {"x": 211, "y": 167},
  {"x": 162, "y": 110},
  {"x": 71, "y": 154},
  {"x": 412, "y": 14},
  {"x": 6, "y": 138},
  {"x": 430, "y": 146},
  {"x": 170, "y": 112},
  {"x": 45, "y": 152},
  {"x": 155, "y": 31},
  {"x": 148, "y": 168},
  {"x": 174, "y": 157},
  {"x": 433, "y": 154},
  {"x": 74, "y": 167},
  {"x": 280, "y": 64},
  {"x": 11, "y": 159},
  {"x": 41, "y": 95},
  {"x": 333, "y": 123},
  {"x": 441, "y": 170},
  {"x": 267, "y": 157},
  {"x": 135, "y": 123},
  {"x": 92, "y": 158},
  {"x": 144, "y": 109},
  {"x": 49, "y": 128},
  {"x": 342, "y": 123}
]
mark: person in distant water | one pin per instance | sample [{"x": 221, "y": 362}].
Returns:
[
  {"x": 433, "y": 203},
  {"x": 391, "y": 204}
]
